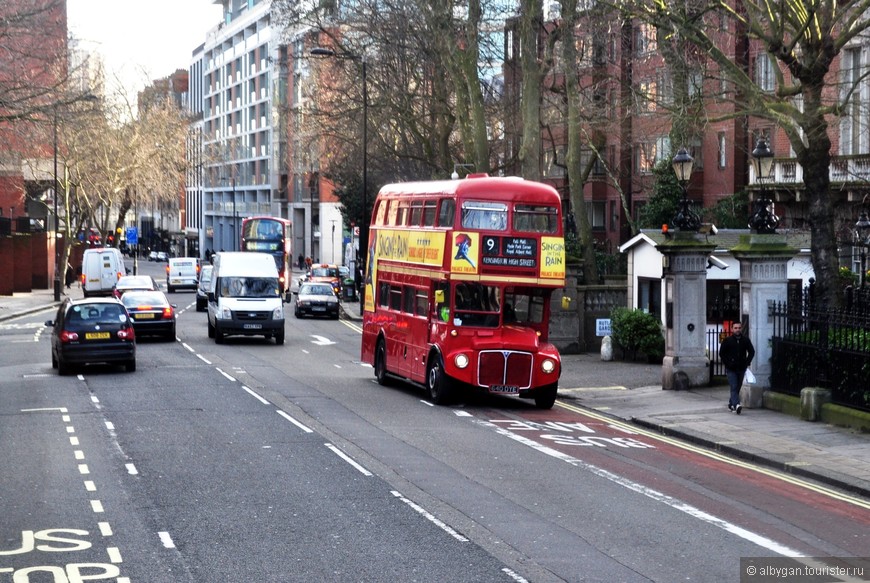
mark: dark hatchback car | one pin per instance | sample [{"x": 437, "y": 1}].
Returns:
[
  {"x": 92, "y": 331},
  {"x": 316, "y": 299},
  {"x": 151, "y": 312}
]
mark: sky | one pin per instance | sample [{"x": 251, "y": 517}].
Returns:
[{"x": 142, "y": 40}]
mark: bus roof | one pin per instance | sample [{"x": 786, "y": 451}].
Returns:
[{"x": 474, "y": 184}]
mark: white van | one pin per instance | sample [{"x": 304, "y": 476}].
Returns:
[
  {"x": 182, "y": 273},
  {"x": 244, "y": 297},
  {"x": 101, "y": 269}
]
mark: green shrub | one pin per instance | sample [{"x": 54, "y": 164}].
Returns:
[{"x": 637, "y": 331}]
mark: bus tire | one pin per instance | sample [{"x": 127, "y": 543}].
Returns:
[
  {"x": 437, "y": 382},
  {"x": 381, "y": 363},
  {"x": 545, "y": 397}
]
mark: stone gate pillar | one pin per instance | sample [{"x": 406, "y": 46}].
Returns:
[
  {"x": 763, "y": 281},
  {"x": 685, "y": 273}
]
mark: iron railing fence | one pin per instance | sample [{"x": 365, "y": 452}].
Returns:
[{"x": 816, "y": 346}]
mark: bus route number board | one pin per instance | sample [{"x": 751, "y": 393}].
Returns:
[{"x": 510, "y": 251}]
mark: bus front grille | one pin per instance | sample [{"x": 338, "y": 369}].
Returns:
[{"x": 504, "y": 367}]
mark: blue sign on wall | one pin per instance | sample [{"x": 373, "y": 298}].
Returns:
[{"x": 132, "y": 236}]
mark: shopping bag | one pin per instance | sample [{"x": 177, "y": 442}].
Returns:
[{"x": 749, "y": 377}]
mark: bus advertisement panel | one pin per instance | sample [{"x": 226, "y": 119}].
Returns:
[
  {"x": 272, "y": 235},
  {"x": 458, "y": 286}
]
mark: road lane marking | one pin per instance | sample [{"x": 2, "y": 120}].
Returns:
[
  {"x": 348, "y": 459},
  {"x": 429, "y": 516},
  {"x": 90, "y": 486},
  {"x": 256, "y": 396},
  {"x": 105, "y": 528},
  {"x": 114, "y": 555},
  {"x": 189, "y": 348},
  {"x": 294, "y": 422},
  {"x": 97, "y": 506},
  {"x": 166, "y": 540},
  {"x": 688, "y": 509},
  {"x": 230, "y": 378},
  {"x": 83, "y": 469},
  {"x": 79, "y": 454},
  {"x": 73, "y": 440},
  {"x": 131, "y": 469},
  {"x": 204, "y": 359}
]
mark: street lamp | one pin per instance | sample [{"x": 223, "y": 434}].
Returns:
[
  {"x": 862, "y": 238},
  {"x": 685, "y": 219},
  {"x": 763, "y": 220},
  {"x": 364, "y": 223}
]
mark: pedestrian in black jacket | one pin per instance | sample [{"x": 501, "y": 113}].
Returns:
[{"x": 736, "y": 353}]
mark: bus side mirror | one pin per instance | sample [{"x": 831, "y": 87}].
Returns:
[
  {"x": 439, "y": 296},
  {"x": 566, "y": 303}
]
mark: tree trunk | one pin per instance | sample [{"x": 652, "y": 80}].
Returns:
[{"x": 531, "y": 19}]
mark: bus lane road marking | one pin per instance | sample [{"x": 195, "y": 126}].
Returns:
[
  {"x": 499, "y": 427},
  {"x": 36, "y": 554},
  {"x": 717, "y": 456}
]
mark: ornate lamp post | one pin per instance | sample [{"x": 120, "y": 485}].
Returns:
[
  {"x": 763, "y": 220},
  {"x": 685, "y": 219},
  {"x": 862, "y": 239}
]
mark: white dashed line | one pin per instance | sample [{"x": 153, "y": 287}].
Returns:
[
  {"x": 204, "y": 359},
  {"x": 97, "y": 506},
  {"x": 73, "y": 440},
  {"x": 83, "y": 469},
  {"x": 166, "y": 540},
  {"x": 131, "y": 469},
  {"x": 232, "y": 379},
  {"x": 105, "y": 528},
  {"x": 90, "y": 486},
  {"x": 348, "y": 459},
  {"x": 255, "y": 395},
  {"x": 294, "y": 422},
  {"x": 79, "y": 454},
  {"x": 114, "y": 555},
  {"x": 430, "y": 517}
]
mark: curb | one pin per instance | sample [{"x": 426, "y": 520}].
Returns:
[{"x": 28, "y": 311}]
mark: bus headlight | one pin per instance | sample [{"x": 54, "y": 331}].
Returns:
[
  {"x": 460, "y": 360},
  {"x": 548, "y": 366}
]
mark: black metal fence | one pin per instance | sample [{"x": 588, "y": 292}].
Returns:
[
  {"x": 814, "y": 346},
  {"x": 714, "y": 339}
]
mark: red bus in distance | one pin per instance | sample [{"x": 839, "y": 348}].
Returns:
[{"x": 272, "y": 235}]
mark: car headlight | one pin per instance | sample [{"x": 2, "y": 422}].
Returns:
[
  {"x": 548, "y": 366},
  {"x": 460, "y": 360},
  {"x": 278, "y": 313},
  {"x": 224, "y": 314}
]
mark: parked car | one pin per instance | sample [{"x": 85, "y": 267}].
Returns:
[
  {"x": 202, "y": 288},
  {"x": 162, "y": 256},
  {"x": 316, "y": 299},
  {"x": 151, "y": 313},
  {"x": 134, "y": 283},
  {"x": 92, "y": 331},
  {"x": 152, "y": 256}
]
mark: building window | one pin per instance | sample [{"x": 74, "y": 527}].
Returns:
[
  {"x": 644, "y": 39},
  {"x": 720, "y": 140},
  {"x": 649, "y": 295},
  {"x": 764, "y": 76},
  {"x": 595, "y": 212}
]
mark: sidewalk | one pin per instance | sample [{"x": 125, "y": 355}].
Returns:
[{"x": 632, "y": 392}]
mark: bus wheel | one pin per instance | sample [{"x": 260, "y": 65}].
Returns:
[
  {"x": 437, "y": 382},
  {"x": 545, "y": 397},
  {"x": 381, "y": 363}
]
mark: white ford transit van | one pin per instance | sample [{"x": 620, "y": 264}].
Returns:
[
  {"x": 101, "y": 269},
  {"x": 182, "y": 273},
  {"x": 244, "y": 297}
]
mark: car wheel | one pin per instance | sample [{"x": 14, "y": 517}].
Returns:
[
  {"x": 279, "y": 338},
  {"x": 171, "y": 335},
  {"x": 218, "y": 336},
  {"x": 199, "y": 306},
  {"x": 210, "y": 330},
  {"x": 130, "y": 365},
  {"x": 298, "y": 314},
  {"x": 170, "y": 289},
  {"x": 53, "y": 360},
  {"x": 545, "y": 397},
  {"x": 381, "y": 363},
  {"x": 437, "y": 382},
  {"x": 63, "y": 368}
]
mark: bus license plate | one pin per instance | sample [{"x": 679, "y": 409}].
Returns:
[
  {"x": 96, "y": 335},
  {"x": 253, "y": 326},
  {"x": 504, "y": 389}
]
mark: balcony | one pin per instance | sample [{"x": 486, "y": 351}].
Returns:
[{"x": 848, "y": 174}]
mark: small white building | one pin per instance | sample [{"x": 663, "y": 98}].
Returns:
[{"x": 646, "y": 283}]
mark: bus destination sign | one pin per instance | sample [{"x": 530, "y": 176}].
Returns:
[{"x": 510, "y": 252}]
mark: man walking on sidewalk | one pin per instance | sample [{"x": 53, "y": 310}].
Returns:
[{"x": 736, "y": 353}]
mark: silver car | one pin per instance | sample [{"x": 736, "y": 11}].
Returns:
[{"x": 316, "y": 299}]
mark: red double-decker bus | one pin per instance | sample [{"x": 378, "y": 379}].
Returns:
[
  {"x": 458, "y": 286},
  {"x": 272, "y": 235}
]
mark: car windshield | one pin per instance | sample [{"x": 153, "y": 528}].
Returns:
[
  {"x": 135, "y": 281},
  {"x": 249, "y": 287},
  {"x": 316, "y": 290},
  {"x": 324, "y": 272}
]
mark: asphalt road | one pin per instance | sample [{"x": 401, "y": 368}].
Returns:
[{"x": 254, "y": 462}]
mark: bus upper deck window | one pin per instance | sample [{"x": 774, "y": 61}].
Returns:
[
  {"x": 429, "y": 213},
  {"x": 490, "y": 216},
  {"x": 535, "y": 218}
]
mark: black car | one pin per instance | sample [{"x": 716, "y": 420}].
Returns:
[
  {"x": 151, "y": 312},
  {"x": 316, "y": 299},
  {"x": 92, "y": 331}
]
